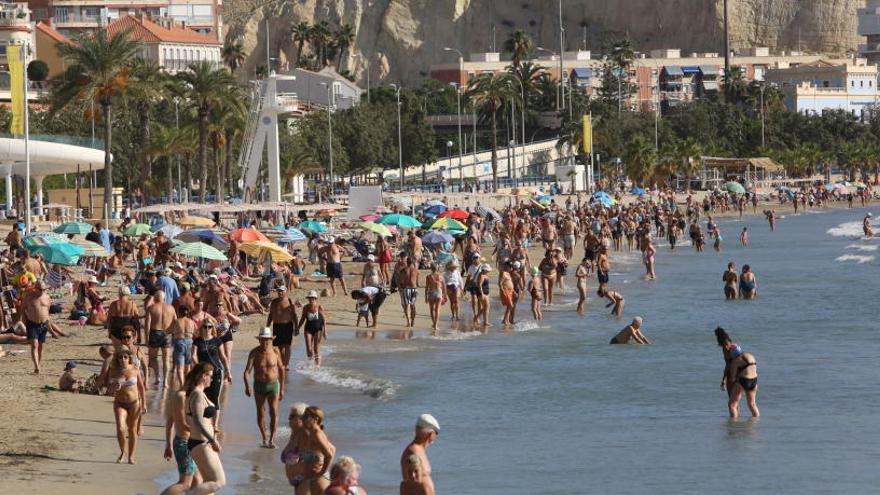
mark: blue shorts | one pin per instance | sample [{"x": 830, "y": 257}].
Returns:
[
  {"x": 185, "y": 463},
  {"x": 334, "y": 270},
  {"x": 36, "y": 331},
  {"x": 181, "y": 351}
]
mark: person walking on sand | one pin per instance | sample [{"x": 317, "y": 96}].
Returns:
[
  {"x": 631, "y": 333},
  {"x": 129, "y": 403},
  {"x": 283, "y": 322},
  {"x": 408, "y": 284},
  {"x": 415, "y": 467},
  {"x": 507, "y": 293},
  {"x": 36, "y": 321},
  {"x": 334, "y": 265},
  {"x": 743, "y": 374},
  {"x": 176, "y": 447},
  {"x": 182, "y": 331},
  {"x": 159, "y": 317},
  {"x": 536, "y": 292},
  {"x": 435, "y": 294},
  {"x": 730, "y": 279},
  {"x": 314, "y": 325},
  {"x": 268, "y": 368},
  {"x": 202, "y": 444},
  {"x": 454, "y": 285}
]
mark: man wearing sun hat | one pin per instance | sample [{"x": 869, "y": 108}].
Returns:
[
  {"x": 267, "y": 365},
  {"x": 415, "y": 467}
]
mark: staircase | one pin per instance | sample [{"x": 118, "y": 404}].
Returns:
[{"x": 248, "y": 177}]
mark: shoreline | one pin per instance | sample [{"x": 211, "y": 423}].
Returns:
[{"x": 58, "y": 441}]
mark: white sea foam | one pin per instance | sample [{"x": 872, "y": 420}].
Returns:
[
  {"x": 855, "y": 257},
  {"x": 848, "y": 229},
  {"x": 527, "y": 326},
  {"x": 863, "y": 247},
  {"x": 377, "y": 388},
  {"x": 452, "y": 336}
]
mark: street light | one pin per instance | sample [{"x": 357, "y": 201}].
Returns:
[
  {"x": 460, "y": 61},
  {"x": 448, "y": 160},
  {"x": 460, "y": 153},
  {"x": 399, "y": 134},
  {"x": 330, "y": 129},
  {"x": 522, "y": 89},
  {"x": 177, "y": 126},
  {"x": 554, "y": 54}
]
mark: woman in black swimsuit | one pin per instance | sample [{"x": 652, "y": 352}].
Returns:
[{"x": 743, "y": 374}]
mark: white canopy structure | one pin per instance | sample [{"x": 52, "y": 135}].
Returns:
[{"x": 47, "y": 158}]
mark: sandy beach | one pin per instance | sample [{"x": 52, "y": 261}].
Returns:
[{"x": 54, "y": 441}]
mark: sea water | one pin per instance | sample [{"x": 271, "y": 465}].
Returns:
[{"x": 550, "y": 406}]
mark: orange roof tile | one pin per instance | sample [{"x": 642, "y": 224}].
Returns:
[
  {"x": 51, "y": 32},
  {"x": 148, "y": 31}
]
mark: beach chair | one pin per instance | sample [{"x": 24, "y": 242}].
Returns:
[{"x": 56, "y": 281}]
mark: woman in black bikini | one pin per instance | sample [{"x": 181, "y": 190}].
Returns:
[
  {"x": 743, "y": 374},
  {"x": 314, "y": 325},
  {"x": 202, "y": 444}
]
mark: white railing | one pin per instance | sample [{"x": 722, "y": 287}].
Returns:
[{"x": 256, "y": 106}]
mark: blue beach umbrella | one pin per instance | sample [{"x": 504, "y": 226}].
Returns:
[
  {"x": 637, "y": 190},
  {"x": 73, "y": 228},
  {"x": 205, "y": 236},
  {"x": 436, "y": 237},
  {"x": 399, "y": 220},
  {"x": 313, "y": 226},
  {"x": 59, "y": 254}
]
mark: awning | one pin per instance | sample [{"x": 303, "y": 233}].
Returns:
[
  {"x": 583, "y": 73},
  {"x": 690, "y": 69},
  {"x": 710, "y": 85},
  {"x": 709, "y": 70},
  {"x": 673, "y": 70}
]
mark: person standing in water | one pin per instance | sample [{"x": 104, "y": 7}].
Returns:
[
  {"x": 743, "y": 375},
  {"x": 435, "y": 294},
  {"x": 744, "y": 237},
  {"x": 648, "y": 256},
  {"x": 415, "y": 468},
  {"x": 536, "y": 291},
  {"x": 730, "y": 278},
  {"x": 866, "y": 226},
  {"x": 582, "y": 273},
  {"x": 268, "y": 367},
  {"x": 748, "y": 284},
  {"x": 176, "y": 448},
  {"x": 507, "y": 293}
]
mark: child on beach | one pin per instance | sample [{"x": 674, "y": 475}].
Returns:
[{"x": 68, "y": 382}]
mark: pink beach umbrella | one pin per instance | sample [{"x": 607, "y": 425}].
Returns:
[{"x": 369, "y": 217}]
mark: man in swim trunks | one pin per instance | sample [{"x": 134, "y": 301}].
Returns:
[
  {"x": 435, "y": 294},
  {"x": 568, "y": 237},
  {"x": 175, "y": 421},
  {"x": 36, "y": 314},
  {"x": 603, "y": 267},
  {"x": 159, "y": 317},
  {"x": 730, "y": 279},
  {"x": 631, "y": 333},
  {"x": 334, "y": 265},
  {"x": 415, "y": 468},
  {"x": 266, "y": 363},
  {"x": 282, "y": 320},
  {"x": 408, "y": 282}
]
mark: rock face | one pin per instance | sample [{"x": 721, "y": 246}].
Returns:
[{"x": 402, "y": 38}]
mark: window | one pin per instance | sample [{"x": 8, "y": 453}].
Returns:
[{"x": 861, "y": 84}]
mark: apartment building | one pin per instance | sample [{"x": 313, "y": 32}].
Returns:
[
  {"x": 869, "y": 26},
  {"x": 171, "y": 45},
  {"x": 823, "y": 85}
]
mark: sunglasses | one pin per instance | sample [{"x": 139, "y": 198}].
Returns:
[{"x": 126, "y": 337}]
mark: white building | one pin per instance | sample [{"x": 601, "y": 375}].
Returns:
[
  {"x": 170, "y": 45},
  {"x": 818, "y": 86},
  {"x": 317, "y": 89},
  {"x": 869, "y": 26}
]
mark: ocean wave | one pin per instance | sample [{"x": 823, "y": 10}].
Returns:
[
  {"x": 862, "y": 247},
  {"x": 527, "y": 326},
  {"x": 452, "y": 336},
  {"x": 855, "y": 257},
  {"x": 847, "y": 229},
  {"x": 376, "y": 388}
]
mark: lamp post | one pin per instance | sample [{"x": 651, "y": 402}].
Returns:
[
  {"x": 460, "y": 152},
  {"x": 399, "y": 135},
  {"x": 330, "y": 128},
  {"x": 561, "y": 52},
  {"x": 460, "y": 61},
  {"x": 558, "y": 88},
  {"x": 448, "y": 161},
  {"x": 522, "y": 89},
  {"x": 763, "y": 143},
  {"x": 177, "y": 156}
]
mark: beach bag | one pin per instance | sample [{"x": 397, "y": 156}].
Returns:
[{"x": 55, "y": 308}]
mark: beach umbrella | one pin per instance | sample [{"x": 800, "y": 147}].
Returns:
[
  {"x": 199, "y": 250},
  {"x": 376, "y": 228},
  {"x": 382, "y": 209},
  {"x": 369, "y": 217},
  {"x": 454, "y": 214},
  {"x": 90, "y": 249},
  {"x": 600, "y": 193},
  {"x": 261, "y": 249},
  {"x": 859, "y": 185},
  {"x": 194, "y": 221},
  {"x": 637, "y": 190},
  {"x": 605, "y": 200},
  {"x": 247, "y": 234},
  {"x": 400, "y": 220},
  {"x": 326, "y": 213},
  {"x": 448, "y": 224},
  {"x": 435, "y": 202},
  {"x": 435, "y": 209},
  {"x": 841, "y": 189},
  {"x": 487, "y": 212},
  {"x": 205, "y": 236},
  {"x": 137, "y": 229},
  {"x": 290, "y": 234},
  {"x": 539, "y": 205},
  {"x": 170, "y": 230},
  {"x": 59, "y": 254},
  {"x": 312, "y": 225},
  {"x": 43, "y": 239},
  {"x": 734, "y": 187},
  {"x": 73, "y": 228},
  {"x": 437, "y": 237}
]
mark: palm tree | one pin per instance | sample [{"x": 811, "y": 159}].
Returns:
[
  {"x": 147, "y": 86},
  {"x": 98, "y": 72},
  {"x": 320, "y": 36},
  {"x": 233, "y": 55},
  {"x": 302, "y": 33},
  {"x": 734, "y": 84},
  {"x": 300, "y": 162},
  {"x": 206, "y": 87},
  {"x": 688, "y": 153},
  {"x": 489, "y": 92},
  {"x": 622, "y": 53},
  {"x": 519, "y": 44},
  {"x": 343, "y": 37},
  {"x": 167, "y": 142},
  {"x": 233, "y": 126},
  {"x": 639, "y": 157},
  {"x": 217, "y": 140}
]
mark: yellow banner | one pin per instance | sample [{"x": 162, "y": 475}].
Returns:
[
  {"x": 588, "y": 135},
  {"x": 15, "y": 59}
]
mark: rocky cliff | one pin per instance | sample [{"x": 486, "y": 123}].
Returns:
[{"x": 402, "y": 38}]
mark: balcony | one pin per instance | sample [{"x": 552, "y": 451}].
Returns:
[
  {"x": 194, "y": 20},
  {"x": 869, "y": 47},
  {"x": 74, "y": 20}
]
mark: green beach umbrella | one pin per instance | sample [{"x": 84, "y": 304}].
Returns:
[
  {"x": 73, "y": 228},
  {"x": 313, "y": 226},
  {"x": 374, "y": 227},
  {"x": 59, "y": 254},
  {"x": 400, "y": 220},
  {"x": 735, "y": 187},
  {"x": 43, "y": 239},
  {"x": 138, "y": 229},
  {"x": 199, "y": 250}
]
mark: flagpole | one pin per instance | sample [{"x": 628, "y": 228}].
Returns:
[
  {"x": 590, "y": 172},
  {"x": 27, "y": 150}
]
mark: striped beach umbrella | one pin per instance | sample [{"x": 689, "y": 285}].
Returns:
[
  {"x": 59, "y": 254},
  {"x": 199, "y": 250},
  {"x": 261, "y": 249},
  {"x": 90, "y": 249},
  {"x": 137, "y": 229}
]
